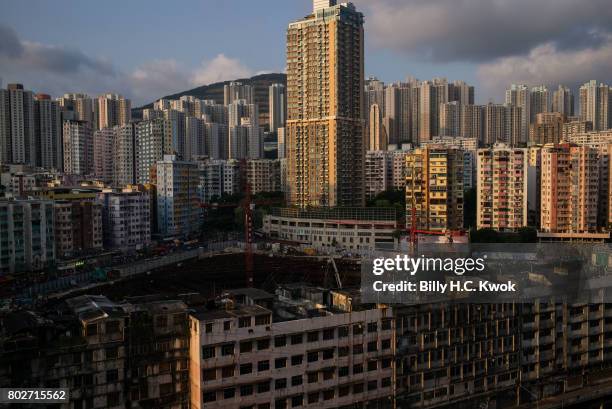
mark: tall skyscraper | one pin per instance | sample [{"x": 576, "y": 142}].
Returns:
[
  {"x": 78, "y": 148},
  {"x": 595, "y": 105},
  {"x": 563, "y": 101},
  {"x": 17, "y": 125},
  {"x": 374, "y": 93},
  {"x": 104, "y": 154},
  {"x": 153, "y": 141},
  {"x": 378, "y": 140},
  {"x": 124, "y": 149},
  {"x": 434, "y": 188},
  {"x": 324, "y": 131},
  {"x": 113, "y": 109},
  {"x": 519, "y": 96},
  {"x": 47, "y": 132},
  {"x": 237, "y": 90},
  {"x": 450, "y": 119},
  {"x": 278, "y": 107},
  {"x": 244, "y": 134},
  {"x": 80, "y": 107},
  {"x": 539, "y": 102},
  {"x": 502, "y": 123}
]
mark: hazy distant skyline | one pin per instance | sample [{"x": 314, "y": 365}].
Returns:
[{"x": 147, "y": 49}]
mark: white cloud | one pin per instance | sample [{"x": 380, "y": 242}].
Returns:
[{"x": 220, "y": 68}]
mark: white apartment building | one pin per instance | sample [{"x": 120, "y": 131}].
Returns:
[
  {"x": 240, "y": 357},
  {"x": 126, "y": 216},
  {"x": 78, "y": 148},
  {"x": 377, "y": 172}
]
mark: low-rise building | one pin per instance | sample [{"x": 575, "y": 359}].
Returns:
[{"x": 330, "y": 229}]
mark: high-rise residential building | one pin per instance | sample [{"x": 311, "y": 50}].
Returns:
[
  {"x": 27, "y": 242},
  {"x": 391, "y": 112},
  {"x": 472, "y": 122},
  {"x": 469, "y": 146},
  {"x": 576, "y": 127},
  {"x": 216, "y": 140},
  {"x": 195, "y": 130},
  {"x": 450, "y": 119},
  {"x": 124, "y": 160},
  {"x": 434, "y": 188},
  {"x": 178, "y": 203},
  {"x": 80, "y": 107},
  {"x": 461, "y": 92},
  {"x": 78, "y": 227},
  {"x": 17, "y": 125},
  {"x": 210, "y": 111},
  {"x": 280, "y": 143},
  {"x": 539, "y": 102},
  {"x": 519, "y": 96},
  {"x": 427, "y": 112},
  {"x": 113, "y": 109},
  {"x": 563, "y": 101},
  {"x": 377, "y": 135},
  {"x": 547, "y": 128},
  {"x": 502, "y": 174},
  {"x": 374, "y": 93},
  {"x": 595, "y": 105},
  {"x": 126, "y": 216},
  {"x": 153, "y": 140},
  {"x": 569, "y": 189},
  {"x": 502, "y": 123},
  {"x": 218, "y": 178},
  {"x": 180, "y": 144},
  {"x": 104, "y": 154},
  {"x": 324, "y": 132},
  {"x": 263, "y": 175},
  {"x": 78, "y": 148},
  {"x": 237, "y": 90},
  {"x": 245, "y": 137},
  {"x": 376, "y": 172},
  {"x": 47, "y": 132},
  {"x": 278, "y": 107}
]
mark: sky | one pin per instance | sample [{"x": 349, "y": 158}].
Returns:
[{"x": 146, "y": 49}]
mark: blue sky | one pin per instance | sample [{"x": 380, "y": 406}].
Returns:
[{"x": 146, "y": 49}]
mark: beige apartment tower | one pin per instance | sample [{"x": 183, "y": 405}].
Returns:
[{"x": 325, "y": 127}]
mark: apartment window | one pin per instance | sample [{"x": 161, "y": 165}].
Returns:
[
  {"x": 358, "y": 388},
  {"x": 386, "y": 363},
  {"x": 313, "y": 377},
  {"x": 372, "y": 346},
  {"x": 112, "y": 376},
  {"x": 343, "y": 332},
  {"x": 263, "y": 344},
  {"x": 280, "y": 383},
  {"x": 91, "y": 329},
  {"x": 264, "y": 405},
  {"x": 280, "y": 403},
  {"x": 328, "y": 373},
  {"x": 280, "y": 341},
  {"x": 246, "y": 346},
  {"x": 244, "y": 322},
  {"x": 165, "y": 389},
  {"x": 263, "y": 366},
  {"x": 357, "y": 369},
  {"x": 297, "y": 360},
  {"x": 209, "y": 374},
  {"x": 328, "y": 394},
  {"x": 111, "y": 353},
  {"x": 385, "y": 344},
  {"x": 385, "y": 382},
  {"x": 343, "y": 351},
  {"x": 357, "y": 349},
  {"x": 227, "y": 371},
  {"x": 208, "y": 328},
  {"x": 372, "y": 326},
  {"x": 208, "y": 352},
  {"x": 386, "y": 324},
  {"x": 358, "y": 329},
  {"x": 227, "y": 349},
  {"x": 344, "y": 390},
  {"x": 372, "y": 385},
  {"x": 313, "y": 356},
  {"x": 296, "y": 380},
  {"x": 112, "y": 399},
  {"x": 312, "y": 336},
  {"x": 297, "y": 401},
  {"x": 263, "y": 387},
  {"x": 229, "y": 393},
  {"x": 227, "y": 325},
  {"x": 246, "y": 390},
  {"x": 328, "y": 334},
  {"x": 313, "y": 397},
  {"x": 209, "y": 396},
  {"x": 262, "y": 320},
  {"x": 297, "y": 339},
  {"x": 328, "y": 353},
  {"x": 372, "y": 365},
  {"x": 246, "y": 369},
  {"x": 280, "y": 363},
  {"x": 343, "y": 371}
]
